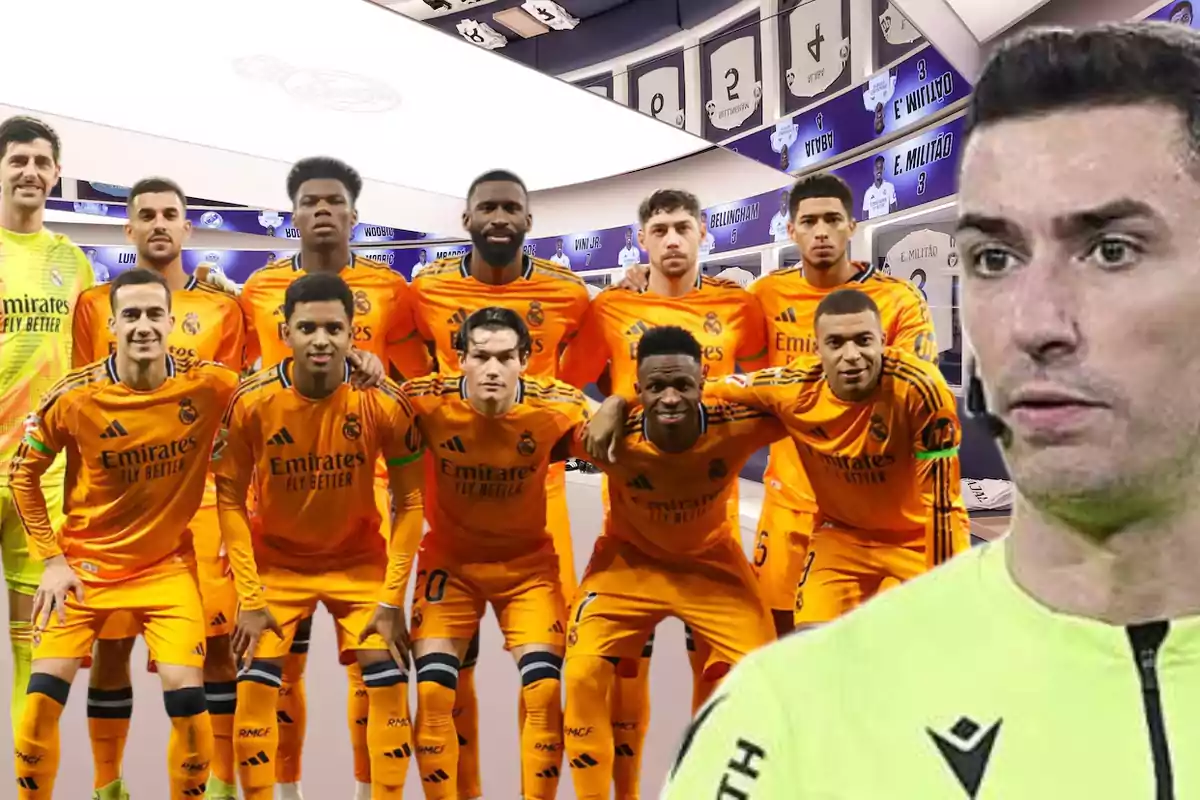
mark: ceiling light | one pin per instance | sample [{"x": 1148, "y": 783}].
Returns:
[{"x": 520, "y": 23}]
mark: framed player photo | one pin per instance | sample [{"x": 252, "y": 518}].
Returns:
[
  {"x": 814, "y": 50},
  {"x": 598, "y": 84},
  {"x": 895, "y": 36},
  {"x": 656, "y": 88},
  {"x": 731, "y": 79}
]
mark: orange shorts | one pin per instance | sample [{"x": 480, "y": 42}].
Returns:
[
  {"x": 350, "y": 595},
  {"x": 450, "y": 597},
  {"x": 626, "y": 593},
  {"x": 779, "y": 551},
  {"x": 558, "y": 522},
  {"x": 843, "y": 570},
  {"x": 163, "y": 606}
]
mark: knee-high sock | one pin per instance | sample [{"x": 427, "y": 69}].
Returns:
[
  {"x": 466, "y": 723},
  {"x": 702, "y": 685},
  {"x": 36, "y": 739},
  {"x": 293, "y": 707},
  {"x": 437, "y": 740},
  {"x": 222, "y": 705},
  {"x": 630, "y": 722},
  {"x": 20, "y": 635},
  {"x": 190, "y": 749},
  {"x": 257, "y": 730},
  {"x": 587, "y": 728},
  {"x": 357, "y": 705},
  {"x": 389, "y": 731},
  {"x": 109, "y": 712},
  {"x": 542, "y": 733}
]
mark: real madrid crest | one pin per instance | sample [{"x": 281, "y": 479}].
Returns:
[
  {"x": 191, "y": 323},
  {"x": 362, "y": 303},
  {"x": 526, "y": 446},
  {"x": 187, "y": 412},
  {"x": 535, "y": 315},
  {"x": 352, "y": 427},
  {"x": 712, "y": 324}
]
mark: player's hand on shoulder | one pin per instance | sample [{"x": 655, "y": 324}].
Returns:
[
  {"x": 58, "y": 582},
  {"x": 251, "y": 626},
  {"x": 367, "y": 369},
  {"x": 636, "y": 278},
  {"x": 602, "y": 434},
  {"x": 388, "y": 623},
  {"x": 212, "y": 275}
]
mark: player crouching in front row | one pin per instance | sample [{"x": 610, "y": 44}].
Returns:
[
  {"x": 137, "y": 435},
  {"x": 308, "y": 442},
  {"x": 492, "y": 433}
]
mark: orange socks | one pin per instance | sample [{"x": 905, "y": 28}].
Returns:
[
  {"x": 588, "y": 735},
  {"x": 357, "y": 707},
  {"x": 190, "y": 749},
  {"x": 257, "y": 741},
  {"x": 222, "y": 704},
  {"x": 437, "y": 740},
  {"x": 36, "y": 751},
  {"x": 109, "y": 712},
  {"x": 630, "y": 722},
  {"x": 702, "y": 686},
  {"x": 389, "y": 732},
  {"x": 292, "y": 713},
  {"x": 466, "y": 722},
  {"x": 542, "y": 732}
]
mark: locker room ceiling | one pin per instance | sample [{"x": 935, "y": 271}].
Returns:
[{"x": 607, "y": 28}]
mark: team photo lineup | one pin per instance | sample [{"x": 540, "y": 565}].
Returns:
[{"x": 203, "y": 464}]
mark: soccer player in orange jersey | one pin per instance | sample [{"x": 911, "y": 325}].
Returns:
[
  {"x": 491, "y": 433},
  {"x": 552, "y": 300},
  {"x": 137, "y": 433},
  {"x": 41, "y": 276},
  {"x": 667, "y": 547},
  {"x": 728, "y": 323},
  {"x": 877, "y": 431},
  {"x": 323, "y": 192},
  {"x": 208, "y": 327},
  {"x": 307, "y": 443}
]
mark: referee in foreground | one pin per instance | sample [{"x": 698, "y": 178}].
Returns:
[{"x": 1064, "y": 660}]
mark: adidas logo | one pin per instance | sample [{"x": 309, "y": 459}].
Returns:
[
  {"x": 557, "y": 627},
  {"x": 454, "y": 444},
  {"x": 549, "y": 773},
  {"x": 436, "y": 777},
  {"x": 281, "y": 437},
  {"x": 361, "y": 722},
  {"x": 459, "y": 317},
  {"x": 641, "y": 482},
  {"x": 462, "y": 740},
  {"x": 198, "y": 650},
  {"x": 256, "y": 761},
  {"x": 196, "y": 791},
  {"x": 219, "y": 619},
  {"x": 28, "y": 783},
  {"x": 637, "y": 329},
  {"x": 114, "y": 430},
  {"x": 282, "y": 718},
  {"x": 583, "y": 762},
  {"x": 404, "y": 751},
  {"x": 787, "y": 315},
  {"x": 623, "y": 750}
]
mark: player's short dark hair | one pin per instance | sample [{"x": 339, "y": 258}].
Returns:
[
  {"x": 317, "y": 287},
  {"x": 324, "y": 168},
  {"x": 497, "y": 176},
  {"x": 1180, "y": 6},
  {"x": 1055, "y": 69},
  {"x": 136, "y": 277},
  {"x": 154, "y": 186},
  {"x": 666, "y": 201},
  {"x": 23, "y": 130},
  {"x": 845, "y": 301},
  {"x": 495, "y": 318},
  {"x": 668, "y": 340},
  {"x": 820, "y": 185}
]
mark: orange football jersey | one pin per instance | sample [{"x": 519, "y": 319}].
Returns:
[
  {"x": 674, "y": 506},
  {"x": 789, "y": 304},
  {"x": 489, "y": 473},
  {"x": 552, "y": 301},
  {"x": 136, "y": 463},
  {"x": 724, "y": 317},
  {"x": 311, "y": 466},
  {"x": 383, "y": 314},
  {"x": 208, "y": 327},
  {"x": 886, "y": 467}
]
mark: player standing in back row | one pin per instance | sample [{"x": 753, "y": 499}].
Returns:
[
  {"x": 41, "y": 276},
  {"x": 137, "y": 435},
  {"x": 552, "y": 301},
  {"x": 208, "y": 327}
]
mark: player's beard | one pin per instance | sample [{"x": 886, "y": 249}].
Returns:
[{"x": 496, "y": 254}]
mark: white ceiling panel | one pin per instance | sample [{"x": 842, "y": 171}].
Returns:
[{"x": 986, "y": 18}]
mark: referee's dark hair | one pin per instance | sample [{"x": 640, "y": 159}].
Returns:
[
  {"x": 495, "y": 318},
  {"x": 668, "y": 340}
]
